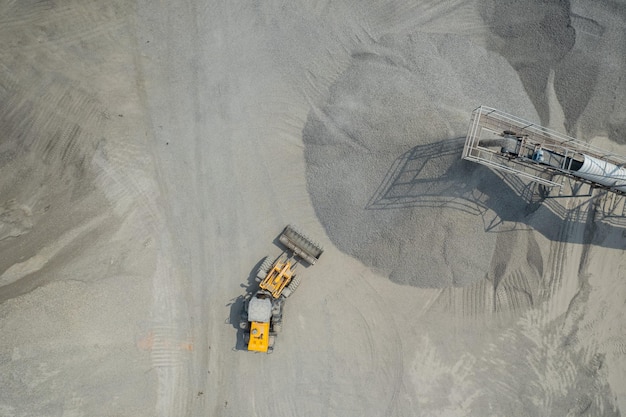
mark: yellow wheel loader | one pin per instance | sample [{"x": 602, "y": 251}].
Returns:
[{"x": 262, "y": 316}]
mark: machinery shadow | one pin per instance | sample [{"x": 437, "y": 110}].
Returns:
[
  {"x": 434, "y": 175},
  {"x": 236, "y": 305}
]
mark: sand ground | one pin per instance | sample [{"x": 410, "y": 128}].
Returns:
[{"x": 151, "y": 153}]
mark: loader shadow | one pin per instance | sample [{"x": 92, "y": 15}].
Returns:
[
  {"x": 434, "y": 175},
  {"x": 237, "y": 304}
]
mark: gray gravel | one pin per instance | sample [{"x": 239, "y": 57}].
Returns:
[{"x": 383, "y": 154}]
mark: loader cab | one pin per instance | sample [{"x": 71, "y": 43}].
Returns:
[{"x": 259, "y": 316}]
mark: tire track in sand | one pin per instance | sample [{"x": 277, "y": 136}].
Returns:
[
  {"x": 48, "y": 28},
  {"x": 460, "y": 16},
  {"x": 564, "y": 261}
]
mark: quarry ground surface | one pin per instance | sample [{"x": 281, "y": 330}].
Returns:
[{"x": 151, "y": 153}]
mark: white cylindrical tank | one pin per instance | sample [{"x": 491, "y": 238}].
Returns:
[{"x": 602, "y": 172}]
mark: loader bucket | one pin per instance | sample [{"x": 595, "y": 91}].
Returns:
[{"x": 300, "y": 244}]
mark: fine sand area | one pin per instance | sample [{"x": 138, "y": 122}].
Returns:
[{"x": 152, "y": 152}]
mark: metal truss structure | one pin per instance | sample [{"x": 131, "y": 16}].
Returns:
[{"x": 508, "y": 143}]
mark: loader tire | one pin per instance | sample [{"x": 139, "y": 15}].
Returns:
[
  {"x": 278, "y": 327},
  {"x": 264, "y": 269},
  {"x": 291, "y": 288}
]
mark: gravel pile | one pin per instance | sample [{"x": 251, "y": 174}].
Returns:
[
  {"x": 383, "y": 152},
  {"x": 383, "y": 159}
]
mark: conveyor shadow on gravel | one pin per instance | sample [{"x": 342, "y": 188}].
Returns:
[
  {"x": 474, "y": 189},
  {"x": 427, "y": 218}
]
